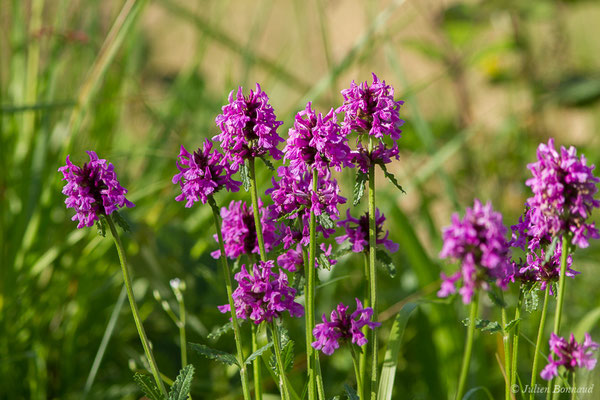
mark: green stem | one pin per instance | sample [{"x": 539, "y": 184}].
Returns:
[
  {"x": 234, "y": 320},
  {"x": 538, "y": 342},
  {"x": 373, "y": 277},
  {"x": 561, "y": 284},
  {"x": 256, "y": 208},
  {"x": 366, "y": 302},
  {"x": 357, "y": 372},
  {"x": 561, "y": 289},
  {"x": 573, "y": 391},
  {"x": 134, "y": 308},
  {"x": 282, "y": 379},
  {"x": 181, "y": 326},
  {"x": 256, "y": 365},
  {"x": 309, "y": 300},
  {"x": 506, "y": 341},
  {"x": 515, "y": 349},
  {"x": 263, "y": 257},
  {"x": 464, "y": 370}
]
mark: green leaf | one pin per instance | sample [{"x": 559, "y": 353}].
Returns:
[
  {"x": 496, "y": 296},
  {"x": 146, "y": 383},
  {"x": 390, "y": 361},
  {"x": 359, "y": 186},
  {"x": 101, "y": 226},
  {"x": 551, "y": 249},
  {"x": 245, "y": 175},
  {"x": 391, "y": 178},
  {"x": 287, "y": 355},
  {"x": 324, "y": 261},
  {"x": 385, "y": 261},
  {"x": 214, "y": 354},
  {"x": 350, "y": 392},
  {"x": 258, "y": 352},
  {"x": 325, "y": 221},
  {"x": 220, "y": 331},
  {"x": 531, "y": 299},
  {"x": 290, "y": 214},
  {"x": 121, "y": 221},
  {"x": 474, "y": 390},
  {"x": 511, "y": 325},
  {"x": 267, "y": 162},
  {"x": 181, "y": 387},
  {"x": 484, "y": 325}
]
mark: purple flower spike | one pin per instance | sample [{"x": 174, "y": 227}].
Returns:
[
  {"x": 92, "y": 190},
  {"x": 239, "y": 230},
  {"x": 563, "y": 189},
  {"x": 248, "y": 128},
  {"x": 371, "y": 109},
  {"x": 201, "y": 175},
  {"x": 343, "y": 327},
  {"x": 570, "y": 355},
  {"x": 316, "y": 141},
  {"x": 294, "y": 198},
  {"x": 478, "y": 243},
  {"x": 357, "y": 232},
  {"x": 264, "y": 295}
]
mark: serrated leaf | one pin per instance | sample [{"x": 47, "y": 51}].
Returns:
[
  {"x": 146, "y": 383},
  {"x": 214, "y": 354},
  {"x": 181, "y": 387},
  {"x": 267, "y": 163},
  {"x": 220, "y": 331},
  {"x": 325, "y": 221},
  {"x": 258, "y": 352},
  {"x": 551, "y": 249},
  {"x": 350, "y": 392},
  {"x": 359, "y": 187},
  {"x": 385, "y": 261},
  {"x": 484, "y": 325},
  {"x": 287, "y": 355},
  {"x": 391, "y": 178},
  {"x": 511, "y": 325},
  {"x": 101, "y": 226},
  {"x": 531, "y": 300},
  {"x": 324, "y": 261},
  {"x": 245, "y": 175},
  {"x": 290, "y": 214},
  {"x": 496, "y": 297},
  {"x": 121, "y": 221}
]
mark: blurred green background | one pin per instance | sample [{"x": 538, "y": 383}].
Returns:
[{"x": 484, "y": 82}]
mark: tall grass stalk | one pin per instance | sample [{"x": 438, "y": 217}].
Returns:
[{"x": 134, "y": 308}]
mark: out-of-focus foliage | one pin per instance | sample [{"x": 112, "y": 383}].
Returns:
[{"x": 484, "y": 82}]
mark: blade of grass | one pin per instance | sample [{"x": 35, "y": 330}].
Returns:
[
  {"x": 110, "y": 327},
  {"x": 390, "y": 361}
]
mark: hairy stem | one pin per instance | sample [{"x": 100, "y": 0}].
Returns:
[
  {"x": 372, "y": 276},
  {"x": 263, "y": 257},
  {"x": 357, "y": 372},
  {"x": 366, "y": 303},
  {"x": 515, "y": 348},
  {"x": 309, "y": 296},
  {"x": 538, "y": 342},
  {"x": 234, "y": 320},
  {"x": 464, "y": 370},
  {"x": 285, "y": 395},
  {"x": 134, "y": 308},
  {"x": 506, "y": 342}
]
